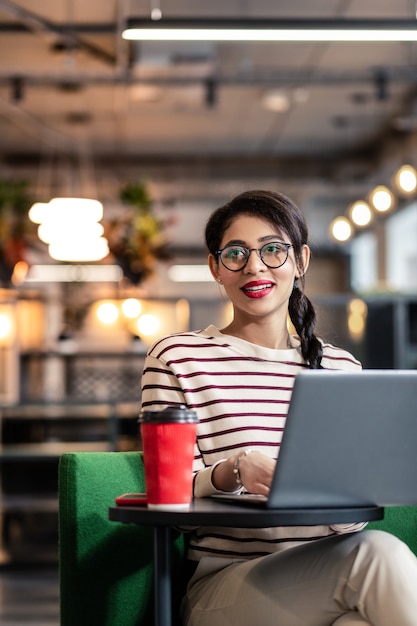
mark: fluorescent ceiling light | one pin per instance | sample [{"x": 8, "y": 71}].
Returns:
[
  {"x": 190, "y": 274},
  {"x": 183, "y": 29},
  {"x": 73, "y": 273}
]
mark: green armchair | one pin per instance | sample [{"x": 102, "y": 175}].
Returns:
[{"x": 106, "y": 571}]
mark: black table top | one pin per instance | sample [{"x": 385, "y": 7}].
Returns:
[{"x": 209, "y": 512}]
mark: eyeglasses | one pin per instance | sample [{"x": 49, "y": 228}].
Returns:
[{"x": 272, "y": 254}]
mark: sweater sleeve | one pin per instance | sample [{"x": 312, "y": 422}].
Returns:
[
  {"x": 341, "y": 529},
  {"x": 160, "y": 388}
]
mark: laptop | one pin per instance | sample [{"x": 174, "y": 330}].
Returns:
[{"x": 350, "y": 440}]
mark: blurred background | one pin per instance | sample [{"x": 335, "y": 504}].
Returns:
[{"x": 113, "y": 154}]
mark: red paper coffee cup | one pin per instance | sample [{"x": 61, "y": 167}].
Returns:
[{"x": 168, "y": 439}]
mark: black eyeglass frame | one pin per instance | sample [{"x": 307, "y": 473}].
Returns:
[{"x": 287, "y": 246}]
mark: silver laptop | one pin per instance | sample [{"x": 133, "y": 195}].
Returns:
[{"x": 350, "y": 440}]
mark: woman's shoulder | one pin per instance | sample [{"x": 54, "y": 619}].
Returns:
[
  {"x": 196, "y": 338},
  {"x": 338, "y": 358}
]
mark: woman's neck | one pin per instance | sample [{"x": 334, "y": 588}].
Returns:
[{"x": 265, "y": 335}]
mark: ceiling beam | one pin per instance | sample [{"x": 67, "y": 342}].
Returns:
[
  {"x": 260, "y": 77},
  {"x": 68, "y": 33}
]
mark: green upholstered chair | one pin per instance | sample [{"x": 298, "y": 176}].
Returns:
[
  {"x": 106, "y": 571},
  {"x": 400, "y": 521}
]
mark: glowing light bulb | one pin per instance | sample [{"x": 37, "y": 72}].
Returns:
[
  {"x": 5, "y": 326},
  {"x": 382, "y": 199},
  {"x": 148, "y": 324},
  {"x": 360, "y": 213},
  {"x": 406, "y": 179},
  {"x": 131, "y": 308},
  {"x": 107, "y": 313},
  {"x": 341, "y": 229}
]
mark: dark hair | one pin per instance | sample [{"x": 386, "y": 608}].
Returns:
[{"x": 281, "y": 212}]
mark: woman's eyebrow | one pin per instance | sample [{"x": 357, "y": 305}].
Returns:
[
  {"x": 235, "y": 242},
  {"x": 240, "y": 242},
  {"x": 277, "y": 237}
]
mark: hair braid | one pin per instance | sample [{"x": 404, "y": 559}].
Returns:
[{"x": 303, "y": 316}]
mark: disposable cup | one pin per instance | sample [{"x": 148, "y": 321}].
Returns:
[{"x": 168, "y": 439}]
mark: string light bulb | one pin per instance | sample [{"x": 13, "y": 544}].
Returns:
[
  {"x": 341, "y": 229},
  {"x": 360, "y": 213},
  {"x": 406, "y": 179},
  {"x": 382, "y": 199}
]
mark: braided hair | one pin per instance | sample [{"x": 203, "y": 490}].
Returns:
[{"x": 282, "y": 213}]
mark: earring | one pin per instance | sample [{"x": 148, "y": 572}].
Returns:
[
  {"x": 219, "y": 280},
  {"x": 295, "y": 286}
]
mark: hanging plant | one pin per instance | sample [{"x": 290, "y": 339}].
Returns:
[
  {"x": 16, "y": 230},
  {"x": 136, "y": 240}
]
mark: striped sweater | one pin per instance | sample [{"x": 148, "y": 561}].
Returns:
[{"x": 241, "y": 393}]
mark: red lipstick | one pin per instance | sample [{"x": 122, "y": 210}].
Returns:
[{"x": 258, "y": 288}]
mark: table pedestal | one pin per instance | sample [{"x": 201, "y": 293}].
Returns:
[{"x": 162, "y": 575}]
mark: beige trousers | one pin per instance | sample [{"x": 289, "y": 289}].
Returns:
[{"x": 358, "y": 579}]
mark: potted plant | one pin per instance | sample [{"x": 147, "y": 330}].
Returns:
[
  {"x": 136, "y": 240},
  {"x": 16, "y": 230}
]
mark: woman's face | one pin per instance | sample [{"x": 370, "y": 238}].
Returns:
[{"x": 257, "y": 290}]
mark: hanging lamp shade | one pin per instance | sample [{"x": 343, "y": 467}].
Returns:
[
  {"x": 38, "y": 212},
  {"x": 81, "y": 251},
  {"x": 71, "y": 228},
  {"x": 82, "y": 209},
  {"x": 70, "y": 222}
]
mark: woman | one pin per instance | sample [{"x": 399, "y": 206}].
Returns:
[{"x": 239, "y": 380}]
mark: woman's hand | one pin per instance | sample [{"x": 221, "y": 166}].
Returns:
[{"x": 255, "y": 471}]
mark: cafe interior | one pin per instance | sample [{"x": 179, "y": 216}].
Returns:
[{"x": 117, "y": 142}]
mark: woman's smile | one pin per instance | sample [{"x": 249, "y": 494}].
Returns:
[{"x": 258, "y": 288}]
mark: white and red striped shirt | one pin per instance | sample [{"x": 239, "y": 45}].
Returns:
[{"x": 241, "y": 393}]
